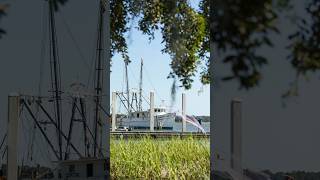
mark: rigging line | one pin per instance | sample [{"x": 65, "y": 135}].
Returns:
[
  {"x": 42, "y": 57},
  {"x": 54, "y": 27},
  {"x": 94, "y": 53},
  {"x": 74, "y": 41},
  {"x": 25, "y": 138},
  {"x": 44, "y": 155},
  {"x": 87, "y": 127},
  {"x": 3, "y": 139},
  {"x": 43, "y": 48},
  {"x": 4, "y": 153},
  {"x": 24, "y": 129},
  {"x": 56, "y": 53},
  {"x": 146, "y": 94},
  {"x": 51, "y": 67},
  {"x": 147, "y": 100},
  {"x": 148, "y": 77},
  {"x": 134, "y": 77},
  {"x": 119, "y": 106},
  {"x": 158, "y": 96},
  {"x": 59, "y": 71},
  {"x": 29, "y": 149},
  {"x": 123, "y": 77},
  {"x": 57, "y": 74}
]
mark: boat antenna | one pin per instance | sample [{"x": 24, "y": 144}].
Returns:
[
  {"x": 55, "y": 73},
  {"x": 140, "y": 87}
]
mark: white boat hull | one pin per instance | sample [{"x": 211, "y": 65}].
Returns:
[{"x": 161, "y": 122}]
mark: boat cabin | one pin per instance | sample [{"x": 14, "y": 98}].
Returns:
[
  {"x": 158, "y": 110},
  {"x": 82, "y": 169},
  {"x": 146, "y": 114}
]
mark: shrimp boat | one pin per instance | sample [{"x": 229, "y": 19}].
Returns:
[
  {"x": 74, "y": 142},
  {"x": 138, "y": 119}
]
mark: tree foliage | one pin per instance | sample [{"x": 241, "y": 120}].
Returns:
[
  {"x": 184, "y": 32},
  {"x": 118, "y": 26},
  {"x": 305, "y": 45},
  {"x": 58, "y": 3},
  {"x": 3, "y": 7},
  {"x": 239, "y": 28}
]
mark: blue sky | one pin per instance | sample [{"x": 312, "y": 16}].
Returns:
[{"x": 156, "y": 70}]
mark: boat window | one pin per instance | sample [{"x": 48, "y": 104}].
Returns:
[
  {"x": 89, "y": 170},
  {"x": 71, "y": 168}
]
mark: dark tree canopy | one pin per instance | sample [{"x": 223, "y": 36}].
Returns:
[
  {"x": 239, "y": 28},
  {"x": 185, "y": 32},
  {"x": 305, "y": 45},
  {"x": 3, "y": 7}
]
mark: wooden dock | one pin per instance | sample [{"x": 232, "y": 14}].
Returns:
[{"x": 157, "y": 134}]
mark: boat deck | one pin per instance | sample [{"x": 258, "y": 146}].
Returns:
[{"x": 158, "y": 134}]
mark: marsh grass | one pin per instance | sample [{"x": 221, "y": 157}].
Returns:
[{"x": 148, "y": 158}]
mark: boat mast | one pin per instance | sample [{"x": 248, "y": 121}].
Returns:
[
  {"x": 126, "y": 61},
  {"x": 98, "y": 78},
  {"x": 55, "y": 74},
  {"x": 140, "y": 87}
]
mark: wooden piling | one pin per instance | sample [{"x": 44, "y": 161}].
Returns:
[
  {"x": 184, "y": 124},
  {"x": 12, "y": 153},
  {"x": 236, "y": 136},
  {"x": 151, "y": 111},
  {"x": 114, "y": 112}
]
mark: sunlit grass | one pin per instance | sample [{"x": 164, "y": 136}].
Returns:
[{"x": 148, "y": 158}]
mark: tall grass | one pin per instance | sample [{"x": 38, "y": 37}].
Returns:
[{"x": 148, "y": 158}]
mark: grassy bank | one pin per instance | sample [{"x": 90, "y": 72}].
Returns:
[{"x": 148, "y": 158}]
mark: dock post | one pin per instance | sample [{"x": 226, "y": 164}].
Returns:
[
  {"x": 236, "y": 136},
  {"x": 151, "y": 111},
  {"x": 113, "y": 118},
  {"x": 184, "y": 125},
  {"x": 13, "y": 116}
]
